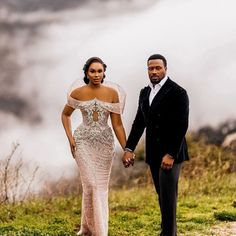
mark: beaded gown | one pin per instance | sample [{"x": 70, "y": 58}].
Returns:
[{"x": 94, "y": 155}]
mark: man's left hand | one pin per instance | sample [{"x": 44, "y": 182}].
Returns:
[{"x": 167, "y": 162}]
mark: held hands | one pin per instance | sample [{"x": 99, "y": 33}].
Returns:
[
  {"x": 128, "y": 159},
  {"x": 167, "y": 162},
  {"x": 72, "y": 147}
]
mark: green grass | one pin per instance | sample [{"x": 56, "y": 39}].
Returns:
[
  {"x": 207, "y": 197},
  {"x": 132, "y": 212}
]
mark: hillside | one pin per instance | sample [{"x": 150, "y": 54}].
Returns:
[{"x": 207, "y": 198}]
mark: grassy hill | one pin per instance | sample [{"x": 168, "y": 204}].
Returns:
[
  {"x": 132, "y": 212},
  {"x": 207, "y": 197}
]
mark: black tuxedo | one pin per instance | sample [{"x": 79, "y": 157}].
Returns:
[{"x": 166, "y": 123}]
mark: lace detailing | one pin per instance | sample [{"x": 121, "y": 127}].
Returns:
[
  {"x": 95, "y": 136},
  {"x": 94, "y": 155},
  {"x": 112, "y": 107}
]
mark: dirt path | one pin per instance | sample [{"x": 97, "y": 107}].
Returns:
[{"x": 228, "y": 229}]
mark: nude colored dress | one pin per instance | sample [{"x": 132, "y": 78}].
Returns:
[{"x": 94, "y": 154}]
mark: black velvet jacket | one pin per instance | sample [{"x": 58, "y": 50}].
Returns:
[{"x": 166, "y": 123}]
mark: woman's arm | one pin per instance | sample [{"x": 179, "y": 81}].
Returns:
[
  {"x": 117, "y": 122},
  {"x": 121, "y": 136},
  {"x": 118, "y": 129},
  {"x": 66, "y": 121}
]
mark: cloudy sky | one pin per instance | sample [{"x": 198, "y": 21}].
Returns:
[{"x": 49, "y": 48}]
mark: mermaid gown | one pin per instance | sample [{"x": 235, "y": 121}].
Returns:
[{"x": 94, "y": 155}]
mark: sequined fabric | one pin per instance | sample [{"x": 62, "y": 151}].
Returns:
[{"x": 94, "y": 154}]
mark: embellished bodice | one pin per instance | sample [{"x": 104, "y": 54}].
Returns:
[
  {"x": 94, "y": 128},
  {"x": 95, "y": 112}
]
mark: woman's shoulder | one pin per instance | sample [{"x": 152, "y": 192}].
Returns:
[
  {"x": 113, "y": 93},
  {"x": 78, "y": 92},
  {"x": 110, "y": 90}
]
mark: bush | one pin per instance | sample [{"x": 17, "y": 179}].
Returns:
[{"x": 225, "y": 216}]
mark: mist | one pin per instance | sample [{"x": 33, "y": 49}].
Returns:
[{"x": 51, "y": 46}]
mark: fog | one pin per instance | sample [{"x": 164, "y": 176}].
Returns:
[{"x": 196, "y": 36}]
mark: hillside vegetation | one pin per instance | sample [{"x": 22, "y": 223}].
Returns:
[{"x": 207, "y": 197}]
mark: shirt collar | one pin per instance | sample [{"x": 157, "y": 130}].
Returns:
[{"x": 160, "y": 84}]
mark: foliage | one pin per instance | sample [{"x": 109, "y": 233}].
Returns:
[
  {"x": 14, "y": 184},
  {"x": 225, "y": 216},
  {"x": 217, "y": 135},
  {"x": 207, "y": 197},
  {"x": 132, "y": 212},
  {"x": 208, "y": 163}
]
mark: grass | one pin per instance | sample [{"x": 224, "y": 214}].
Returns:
[
  {"x": 136, "y": 212},
  {"x": 132, "y": 212},
  {"x": 207, "y": 197}
]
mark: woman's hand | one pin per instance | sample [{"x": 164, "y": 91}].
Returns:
[
  {"x": 128, "y": 159},
  {"x": 65, "y": 118},
  {"x": 72, "y": 147}
]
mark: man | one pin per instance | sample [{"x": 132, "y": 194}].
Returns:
[{"x": 163, "y": 110}]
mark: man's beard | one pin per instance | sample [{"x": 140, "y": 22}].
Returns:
[{"x": 155, "y": 80}]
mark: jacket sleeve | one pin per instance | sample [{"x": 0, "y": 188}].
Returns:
[
  {"x": 137, "y": 128},
  {"x": 179, "y": 123}
]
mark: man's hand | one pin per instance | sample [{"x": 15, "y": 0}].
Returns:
[
  {"x": 167, "y": 162},
  {"x": 128, "y": 159}
]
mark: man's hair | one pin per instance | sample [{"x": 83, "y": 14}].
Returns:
[{"x": 158, "y": 56}]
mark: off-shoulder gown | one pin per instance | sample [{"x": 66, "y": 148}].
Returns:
[{"x": 94, "y": 154}]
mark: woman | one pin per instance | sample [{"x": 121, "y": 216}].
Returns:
[{"x": 92, "y": 144}]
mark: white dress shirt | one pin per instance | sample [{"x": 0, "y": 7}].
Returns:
[{"x": 155, "y": 89}]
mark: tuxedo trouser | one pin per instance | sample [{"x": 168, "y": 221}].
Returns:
[{"x": 166, "y": 184}]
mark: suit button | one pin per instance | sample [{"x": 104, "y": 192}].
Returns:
[
  {"x": 158, "y": 140},
  {"x": 157, "y": 126}
]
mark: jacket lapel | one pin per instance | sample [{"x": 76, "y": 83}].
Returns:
[
  {"x": 162, "y": 92},
  {"x": 145, "y": 99}
]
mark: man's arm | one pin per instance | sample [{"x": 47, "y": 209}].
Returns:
[
  {"x": 179, "y": 125},
  {"x": 137, "y": 129},
  {"x": 134, "y": 136}
]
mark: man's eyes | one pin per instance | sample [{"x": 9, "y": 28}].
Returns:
[{"x": 153, "y": 68}]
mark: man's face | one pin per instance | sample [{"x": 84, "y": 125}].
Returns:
[{"x": 156, "y": 70}]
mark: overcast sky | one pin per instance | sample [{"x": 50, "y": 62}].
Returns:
[{"x": 196, "y": 36}]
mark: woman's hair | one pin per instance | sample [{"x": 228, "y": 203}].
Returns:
[{"x": 87, "y": 65}]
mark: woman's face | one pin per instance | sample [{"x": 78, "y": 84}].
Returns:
[{"x": 95, "y": 73}]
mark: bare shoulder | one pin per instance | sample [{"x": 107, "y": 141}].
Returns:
[
  {"x": 78, "y": 93},
  {"x": 113, "y": 93}
]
